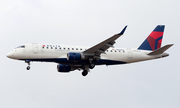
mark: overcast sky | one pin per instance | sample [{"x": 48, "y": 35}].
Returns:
[{"x": 149, "y": 84}]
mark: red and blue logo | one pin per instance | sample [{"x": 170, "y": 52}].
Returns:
[{"x": 154, "y": 40}]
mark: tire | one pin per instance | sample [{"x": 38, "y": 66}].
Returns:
[
  {"x": 91, "y": 66},
  {"x": 28, "y": 67},
  {"x": 84, "y": 73}
]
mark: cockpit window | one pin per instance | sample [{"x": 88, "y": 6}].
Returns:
[{"x": 22, "y": 46}]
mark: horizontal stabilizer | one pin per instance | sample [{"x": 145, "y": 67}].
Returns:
[{"x": 160, "y": 50}]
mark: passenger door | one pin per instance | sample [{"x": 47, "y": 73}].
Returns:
[
  {"x": 35, "y": 48},
  {"x": 129, "y": 53}
]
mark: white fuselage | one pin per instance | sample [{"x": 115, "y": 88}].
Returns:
[
  {"x": 71, "y": 58},
  {"x": 48, "y": 52}
]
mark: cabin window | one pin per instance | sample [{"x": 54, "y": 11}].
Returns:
[
  {"x": 81, "y": 49},
  {"x": 68, "y": 48},
  {"x": 76, "y": 48},
  {"x": 72, "y": 48},
  {"x": 55, "y": 47},
  {"x": 51, "y": 47},
  {"x": 47, "y": 47},
  {"x": 59, "y": 48},
  {"x": 64, "y": 48}
]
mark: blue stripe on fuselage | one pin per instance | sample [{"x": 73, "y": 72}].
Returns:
[{"x": 81, "y": 62}]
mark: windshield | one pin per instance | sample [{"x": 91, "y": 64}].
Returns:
[{"x": 22, "y": 46}]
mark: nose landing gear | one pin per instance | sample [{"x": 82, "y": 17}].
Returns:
[
  {"x": 28, "y": 67},
  {"x": 28, "y": 62}
]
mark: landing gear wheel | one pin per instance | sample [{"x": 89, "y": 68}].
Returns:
[
  {"x": 84, "y": 73},
  {"x": 28, "y": 67},
  {"x": 28, "y": 62},
  {"x": 91, "y": 66}
]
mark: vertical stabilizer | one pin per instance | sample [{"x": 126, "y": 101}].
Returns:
[{"x": 154, "y": 40}]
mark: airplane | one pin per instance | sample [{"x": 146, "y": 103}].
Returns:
[{"x": 70, "y": 58}]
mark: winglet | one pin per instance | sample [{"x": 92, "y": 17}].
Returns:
[{"x": 122, "y": 32}]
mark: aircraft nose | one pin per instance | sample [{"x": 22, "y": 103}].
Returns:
[{"x": 9, "y": 55}]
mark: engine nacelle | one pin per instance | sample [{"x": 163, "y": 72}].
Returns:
[
  {"x": 71, "y": 56},
  {"x": 63, "y": 68}
]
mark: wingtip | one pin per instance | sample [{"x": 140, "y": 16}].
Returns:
[
  {"x": 122, "y": 32},
  {"x": 170, "y": 45}
]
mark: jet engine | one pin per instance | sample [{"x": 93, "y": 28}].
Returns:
[
  {"x": 63, "y": 68},
  {"x": 71, "y": 56}
]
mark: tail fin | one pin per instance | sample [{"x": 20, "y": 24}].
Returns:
[{"x": 154, "y": 40}]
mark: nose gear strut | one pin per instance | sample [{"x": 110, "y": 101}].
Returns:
[{"x": 28, "y": 62}]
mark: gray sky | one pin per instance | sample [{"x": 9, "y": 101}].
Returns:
[{"x": 149, "y": 84}]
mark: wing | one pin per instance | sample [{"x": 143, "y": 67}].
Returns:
[{"x": 96, "y": 50}]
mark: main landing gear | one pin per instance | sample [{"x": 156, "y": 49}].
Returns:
[
  {"x": 28, "y": 62},
  {"x": 91, "y": 65},
  {"x": 86, "y": 68}
]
